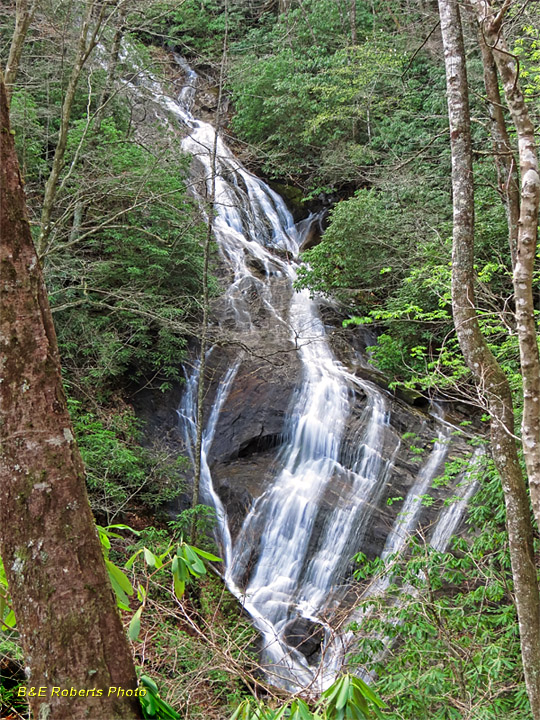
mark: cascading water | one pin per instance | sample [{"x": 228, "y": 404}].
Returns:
[{"x": 289, "y": 562}]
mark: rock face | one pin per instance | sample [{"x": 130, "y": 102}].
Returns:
[
  {"x": 304, "y": 635},
  {"x": 251, "y": 429}
]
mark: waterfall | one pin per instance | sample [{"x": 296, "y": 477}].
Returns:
[{"x": 290, "y": 561}]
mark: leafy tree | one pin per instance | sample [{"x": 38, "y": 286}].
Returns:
[{"x": 365, "y": 252}]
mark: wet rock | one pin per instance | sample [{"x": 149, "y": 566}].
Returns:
[
  {"x": 253, "y": 419},
  {"x": 305, "y": 635}
]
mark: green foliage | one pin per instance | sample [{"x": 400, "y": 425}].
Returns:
[
  {"x": 7, "y": 616},
  {"x": 348, "y": 698},
  {"x": 125, "y": 264},
  {"x": 527, "y": 49},
  {"x": 29, "y": 135},
  {"x": 184, "y": 561},
  {"x": 153, "y": 706},
  {"x": 11, "y": 678},
  {"x": 126, "y": 293},
  {"x": 120, "y": 472},
  {"x": 198, "y": 26},
  {"x": 364, "y": 253},
  {"x": 444, "y": 640},
  {"x": 121, "y": 585},
  {"x": 416, "y": 346},
  {"x": 205, "y": 637},
  {"x": 201, "y": 519},
  {"x": 313, "y": 113}
]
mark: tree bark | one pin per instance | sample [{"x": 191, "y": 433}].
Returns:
[
  {"x": 490, "y": 379},
  {"x": 283, "y": 6},
  {"x": 69, "y": 625},
  {"x": 352, "y": 22},
  {"x": 23, "y": 18},
  {"x": 527, "y": 237},
  {"x": 505, "y": 161}
]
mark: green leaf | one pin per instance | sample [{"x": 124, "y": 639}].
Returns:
[
  {"x": 121, "y": 579},
  {"x": 149, "y": 683},
  {"x": 303, "y": 711},
  {"x": 280, "y": 713},
  {"x": 120, "y": 526},
  {"x": 10, "y": 620},
  {"x": 179, "y": 586},
  {"x": 150, "y": 557},
  {"x": 343, "y": 693},
  {"x": 149, "y": 704},
  {"x": 195, "y": 564},
  {"x": 103, "y": 538},
  {"x": 120, "y": 584},
  {"x": 129, "y": 563},
  {"x": 135, "y": 625},
  {"x": 206, "y": 555},
  {"x": 367, "y": 692}
]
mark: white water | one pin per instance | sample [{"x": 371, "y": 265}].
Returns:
[{"x": 299, "y": 572}]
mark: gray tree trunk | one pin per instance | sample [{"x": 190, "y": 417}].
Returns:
[
  {"x": 505, "y": 161},
  {"x": 23, "y": 18},
  {"x": 491, "y": 381},
  {"x": 526, "y": 243}
]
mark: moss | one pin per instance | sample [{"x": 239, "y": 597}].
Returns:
[{"x": 293, "y": 196}]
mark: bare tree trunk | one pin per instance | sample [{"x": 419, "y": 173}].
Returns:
[
  {"x": 69, "y": 625},
  {"x": 23, "y": 18},
  {"x": 527, "y": 236},
  {"x": 88, "y": 39},
  {"x": 283, "y": 6},
  {"x": 201, "y": 386},
  {"x": 490, "y": 379},
  {"x": 505, "y": 161},
  {"x": 352, "y": 21}
]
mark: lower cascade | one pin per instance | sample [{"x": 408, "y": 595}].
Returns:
[{"x": 306, "y": 460}]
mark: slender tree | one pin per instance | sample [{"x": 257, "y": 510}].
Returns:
[
  {"x": 96, "y": 15},
  {"x": 526, "y": 236},
  {"x": 69, "y": 625},
  {"x": 211, "y": 193},
  {"x": 24, "y": 14},
  {"x": 490, "y": 379},
  {"x": 503, "y": 152}
]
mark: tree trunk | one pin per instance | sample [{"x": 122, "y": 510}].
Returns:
[
  {"x": 88, "y": 40},
  {"x": 352, "y": 22},
  {"x": 490, "y": 379},
  {"x": 69, "y": 625},
  {"x": 283, "y": 6},
  {"x": 505, "y": 161},
  {"x": 527, "y": 232},
  {"x": 23, "y": 18}
]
